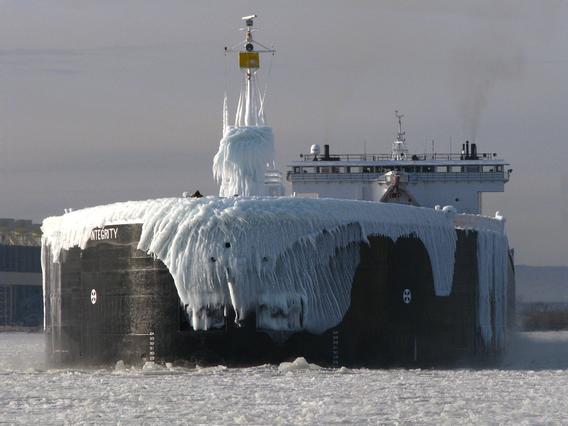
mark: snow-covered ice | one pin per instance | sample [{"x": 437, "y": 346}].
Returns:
[
  {"x": 531, "y": 389},
  {"x": 298, "y": 364}
]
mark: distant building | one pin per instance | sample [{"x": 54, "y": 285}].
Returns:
[{"x": 21, "y": 296}]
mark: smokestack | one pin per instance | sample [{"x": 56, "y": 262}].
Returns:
[
  {"x": 467, "y": 150},
  {"x": 326, "y": 152},
  {"x": 474, "y": 151}
]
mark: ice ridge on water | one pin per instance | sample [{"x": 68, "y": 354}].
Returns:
[{"x": 290, "y": 260}]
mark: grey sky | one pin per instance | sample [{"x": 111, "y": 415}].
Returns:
[{"x": 104, "y": 101}]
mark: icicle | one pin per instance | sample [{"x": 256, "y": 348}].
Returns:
[
  {"x": 225, "y": 115},
  {"x": 250, "y": 106},
  {"x": 250, "y": 111},
  {"x": 260, "y": 115},
  {"x": 239, "y": 114}
]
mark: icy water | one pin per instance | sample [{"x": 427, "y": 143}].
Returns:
[{"x": 530, "y": 388}]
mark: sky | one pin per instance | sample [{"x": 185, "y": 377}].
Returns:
[{"x": 104, "y": 101}]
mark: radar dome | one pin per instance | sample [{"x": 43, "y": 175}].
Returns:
[{"x": 315, "y": 149}]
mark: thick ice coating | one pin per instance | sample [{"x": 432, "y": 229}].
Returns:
[
  {"x": 240, "y": 164},
  {"x": 492, "y": 267},
  {"x": 290, "y": 260}
]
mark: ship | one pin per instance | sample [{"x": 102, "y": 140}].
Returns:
[{"x": 373, "y": 260}]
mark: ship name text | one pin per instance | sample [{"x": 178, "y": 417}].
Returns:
[{"x": 104, "y": 234}]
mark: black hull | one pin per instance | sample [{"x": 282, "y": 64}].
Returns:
[{"x": 137, "y": 316}]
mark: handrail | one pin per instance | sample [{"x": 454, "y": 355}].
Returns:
[
  {"x": 412, "y": 177},
  {"x": 411, "y": 157}
]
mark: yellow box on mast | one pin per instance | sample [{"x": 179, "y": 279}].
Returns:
[{"x": 249, "y": 60}]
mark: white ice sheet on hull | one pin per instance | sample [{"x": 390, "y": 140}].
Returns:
[
  {"x": 492, "y": 271},
  {"x": 292, "y": 260}
]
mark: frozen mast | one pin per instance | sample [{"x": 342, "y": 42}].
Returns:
[
  {"x": 244, "y": 163},
  {"x": 250, "y": 110}
]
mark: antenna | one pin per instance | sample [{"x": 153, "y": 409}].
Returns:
[
  {"x": 250, "y": 109},
  {"x": 249, "y": 44},
  {"x": 399, "y": 150},
  {"x": 401, "y": 134},
  {"x": 248, "y": 19}
]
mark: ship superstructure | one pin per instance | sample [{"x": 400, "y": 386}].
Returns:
[{"x": 417, "y": 179}]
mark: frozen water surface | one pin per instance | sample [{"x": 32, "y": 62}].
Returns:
[{"x": 529, "y": 389}]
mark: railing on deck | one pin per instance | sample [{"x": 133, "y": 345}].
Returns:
[
  {"x": 411, "y": 157},
  {"x": 412, "y": 177}
]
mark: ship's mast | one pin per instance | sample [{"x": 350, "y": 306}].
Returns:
[
  {"x": 399, "y": 150},
  {"x": 401, "y": 134},
  {"x": 250, "y": 111},
  {"x": 244, "y": 164}
]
